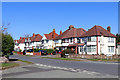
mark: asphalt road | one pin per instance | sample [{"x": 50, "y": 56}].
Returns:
[{"x": 100, "y": 67}]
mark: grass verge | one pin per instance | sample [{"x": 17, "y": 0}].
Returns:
[
  {"x": 67, "y": 59},
  {"x": 8, "y": 65},
  {"x": 106, "y": 60},
  {"x": 25, "y": 61}
]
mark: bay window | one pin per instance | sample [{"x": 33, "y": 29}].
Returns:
[
  {"x": 91, "y": 48},
  {"x": 110, "y": 48}
]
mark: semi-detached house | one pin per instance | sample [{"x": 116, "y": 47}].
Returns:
[
  {"x": 70, "y": 39},
  {"x": 96, "y": 40}
]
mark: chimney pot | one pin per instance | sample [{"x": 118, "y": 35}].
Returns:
[
  {"x": 71, "y": 26},
  {"x": 109, "y": 28},
  {"x": 33, "y": 34},
  {"x": 60, "y": 32}
]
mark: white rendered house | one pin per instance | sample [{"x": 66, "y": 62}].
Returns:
[
  {"x": 98, "y": 41},
  {"x": 47, "y": 41},
  {"x": 19, "y": 44},
  {"x": 69, "y": 39},
  {"x": 33, "y": 42}
]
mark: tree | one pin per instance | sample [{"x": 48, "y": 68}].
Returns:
[
  {"x": 118, "y": 38},
  {"x": 7, "y": 44}
]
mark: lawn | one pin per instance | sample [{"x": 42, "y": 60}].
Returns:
[
  {"x": 9, "y": 65},
  {"x": 25, "y": 61},
  {"x": 67, "y": 59}
]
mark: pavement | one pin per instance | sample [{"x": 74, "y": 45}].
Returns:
[{"x": 50, "y": 68}]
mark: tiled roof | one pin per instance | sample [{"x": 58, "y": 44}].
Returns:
[
  {"x": 36, "y": 37},
  {"x": 73, "y": 32},
  {"x": 98, "y": 31},
  {"x": 16, "y": 41},
  {"x": 51, "y": 35},
  {"x": 22, "y": 40}
]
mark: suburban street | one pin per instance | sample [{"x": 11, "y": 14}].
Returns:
[{"x": 61, "y": 69}]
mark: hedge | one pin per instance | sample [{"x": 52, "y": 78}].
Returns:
[{"x": 48, "y": 50}]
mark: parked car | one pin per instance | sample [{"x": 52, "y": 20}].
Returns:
[
  {"x": 57, "y": 51},
  {"x": 11, "y": 53},
  {"x": 30, "y": 50},
  {"x": 24, "y": 52},
  {"x": 43, "y": 52},
  {"x": 54, "y": 52}
]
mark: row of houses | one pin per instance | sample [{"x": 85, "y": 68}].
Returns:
[{"x": 96, "y": 40}]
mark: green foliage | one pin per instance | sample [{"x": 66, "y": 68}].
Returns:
[
  {"x": 20, "y": 50},
  {"x": 48, "y": 50},
  {"x": 67, "y": 51},
  {"x": 7, "y": 44},
  {"x": 36, "y": 50}
]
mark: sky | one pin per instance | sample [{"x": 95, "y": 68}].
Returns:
[{"x": 42, "y": 17}]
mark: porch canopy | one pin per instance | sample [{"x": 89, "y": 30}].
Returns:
[{"x": 76, "y": 44}]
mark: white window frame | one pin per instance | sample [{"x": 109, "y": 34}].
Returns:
[{"x": 111, "y": 49}]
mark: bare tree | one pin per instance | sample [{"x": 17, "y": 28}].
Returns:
[
  {"x": 5, "y": 27},
  {"x": 27, "y": 35}
]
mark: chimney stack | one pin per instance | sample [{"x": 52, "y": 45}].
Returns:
[
  {"x": 20, "y": 37},
  {"x": 71, "y": 26},
  {"x": 33, "y": 34},
  {"x": 109, "y": 28},
  {"x": 60, "y": 32},
  {"x": 53, "y": 36}
]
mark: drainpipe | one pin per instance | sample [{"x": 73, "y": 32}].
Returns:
[
  {"x": 76, "y": 50},
  {"x": 97, "y": 44}
]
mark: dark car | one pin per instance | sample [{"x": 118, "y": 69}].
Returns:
[
  {"x": 11, "y": 53},
  {"x": 54, "y": 52},
  {"x": 24, "y": 52},
  {"x": 43, "y": 52},
  {"x": 30, "y": 50}
]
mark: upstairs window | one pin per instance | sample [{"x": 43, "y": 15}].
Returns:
[
  {"x": 78, "y": 40},
  {"x": 91, "y": 39},
  {"x": 111, "y": 39},
  {"x": 63, "y": 40},
  {"x": 67, "y": 40},
  {"x": 47, "y": 41},
  {"x": 71, "y": 40}
]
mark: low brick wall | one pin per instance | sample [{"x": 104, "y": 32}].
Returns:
[
  {"x": 91, "y": 56},
  {"x": 94, "y": 56},
  {"x": 19, "y": 52},
  {"x": 36, "y": 53}
]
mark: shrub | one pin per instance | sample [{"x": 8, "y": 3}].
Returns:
[
  {"x": 48, "y": 50},
  {"x": 67, "y": 51},
  {"x": 36, "y": 50},
  {"x": 20, "y": 50}
]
